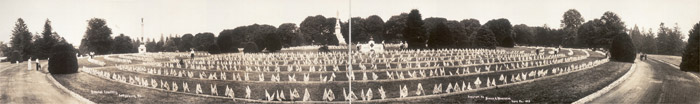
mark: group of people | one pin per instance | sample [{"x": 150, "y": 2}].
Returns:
[{"x": 643, "y": 56}]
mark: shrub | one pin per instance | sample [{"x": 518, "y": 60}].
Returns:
[
  {"x": 63, "y": 60},
  {"x": 251, "y": 48},
  {"x": 622, "y": 49},
  {"x": 691, "y": 57},
  {"x": 324, "y": 49}
]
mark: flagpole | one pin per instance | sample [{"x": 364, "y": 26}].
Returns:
[{"x": 350, "y": 46}]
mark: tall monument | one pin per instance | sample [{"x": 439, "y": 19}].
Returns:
[
  {"x": 341, "y": 40},
  {"x": 142, "y": 47}
]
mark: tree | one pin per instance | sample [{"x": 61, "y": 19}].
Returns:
[
  {"x": 273, "y": 42},
  {"x": 329, "y": 33},
  {"x": 508, "y": 42},
  {"x": 459, "y": 34},
  {"x": 523, "y": 34},
  {"x": 484, "y": 38},
  {"x": 374, "y": 26},
  {"x": 599, "y": 33},
  {"x": 21, "y": 42},
  {"x": 441, "y": 38},
  {"x": 4, "y": 50},
  {"x": 637, "y": 37},
  {"x": 136, "y": 43},
  {"x": 98, "y": 37},
  {"x": 622, "y": 49},
  {"x": 151, "y": 45},
  {"x": 589, "y": 34},
  {"x": 160, "y": 43},
  {"x": 471, "y": 25},
  {"x": 171, "y": 44},
  {"x": 186, "y": 42},
  {"x": 316, "y": 28},
  {"x": 571, "y": 21},
  {"x": 691, "y": 56},
  {"x": 359, "y": 31},
  {"x": 46, "y": 42},
  {"x": 287, "y": 31},
  {"x": 431, "y": 23},
  {"x": 251, "y": 47},
  {"x": 502, "y": 29},
  {"x": 669, "y": 41},
  {"x": 415, "y": 33},
  {"x": 611, "y": 26},
  {"x": 122, "y": 44},
  {"x": 63, "y": 59},
  {"x": 648, "y": 43},
  {"x": 226, "y": 41},
  {"x": 394, "y": 28},
  {"x": 203, "y": 41}
]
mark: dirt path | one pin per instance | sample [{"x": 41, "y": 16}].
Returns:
[
  {"x": 654, "y": 82},
  {"x": 22, "y": 86}
]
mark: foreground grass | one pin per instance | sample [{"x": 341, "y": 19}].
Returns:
[
  {"x": 88, "y": 86},
  {"x": 675, "y": 60},
  {"x": 560, "y": 89},
  {"x": 566, "y": 88}
]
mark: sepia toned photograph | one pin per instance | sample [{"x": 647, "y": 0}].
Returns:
[{"x": 349, "y": 51}]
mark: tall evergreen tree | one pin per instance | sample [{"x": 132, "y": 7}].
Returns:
[
  {"x": 415, "y": 34},
  {"x": 47, "y": 41},
  {"x": 691, "y": 56},
  {"x": 21, "y": 42}
]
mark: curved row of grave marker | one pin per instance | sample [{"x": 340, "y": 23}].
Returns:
[
  {"x": 215, "y": 65},
  {"x": 388, "y": 75},
  {"x": 96, "y": 62},
  {"x": 331, "y": 93},
  {"x": 120, "y": 60},
  {"x": 264, "y": 59}
]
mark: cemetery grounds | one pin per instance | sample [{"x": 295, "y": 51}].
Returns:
[{"x": 503, "y": 75}]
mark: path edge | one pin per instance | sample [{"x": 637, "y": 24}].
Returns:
[
  {"x": 678, "y": 67},
  {"x": 606, "y": 89},
  {"x": 71, "y": 93}
]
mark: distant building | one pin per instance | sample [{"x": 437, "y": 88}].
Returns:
[{"x": 371, "y": 46}]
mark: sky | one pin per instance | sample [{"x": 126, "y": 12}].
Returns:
[{"x": 176, "y": 17}]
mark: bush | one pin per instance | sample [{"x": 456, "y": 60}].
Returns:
[
  {"x": 691, "y": 57},
  {"x": 251, "y": 48},
  {"x": 622, "y": 49},
  {"x": 63, "y": 60},
  {"x": 484, "y": 38},
  {"x": 324, "y": 49}
]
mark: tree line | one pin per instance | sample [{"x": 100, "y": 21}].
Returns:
[
  {"x": 25, "y": 45},
  {"x": 409, "y": 28}
]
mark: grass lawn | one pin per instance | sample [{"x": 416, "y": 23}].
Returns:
[
  {"x": 114, "y": 92},
  {"x": 675, "y": 60},
  {"x": 560, "y": 89},
  {"x": 565, "y": 89}
]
